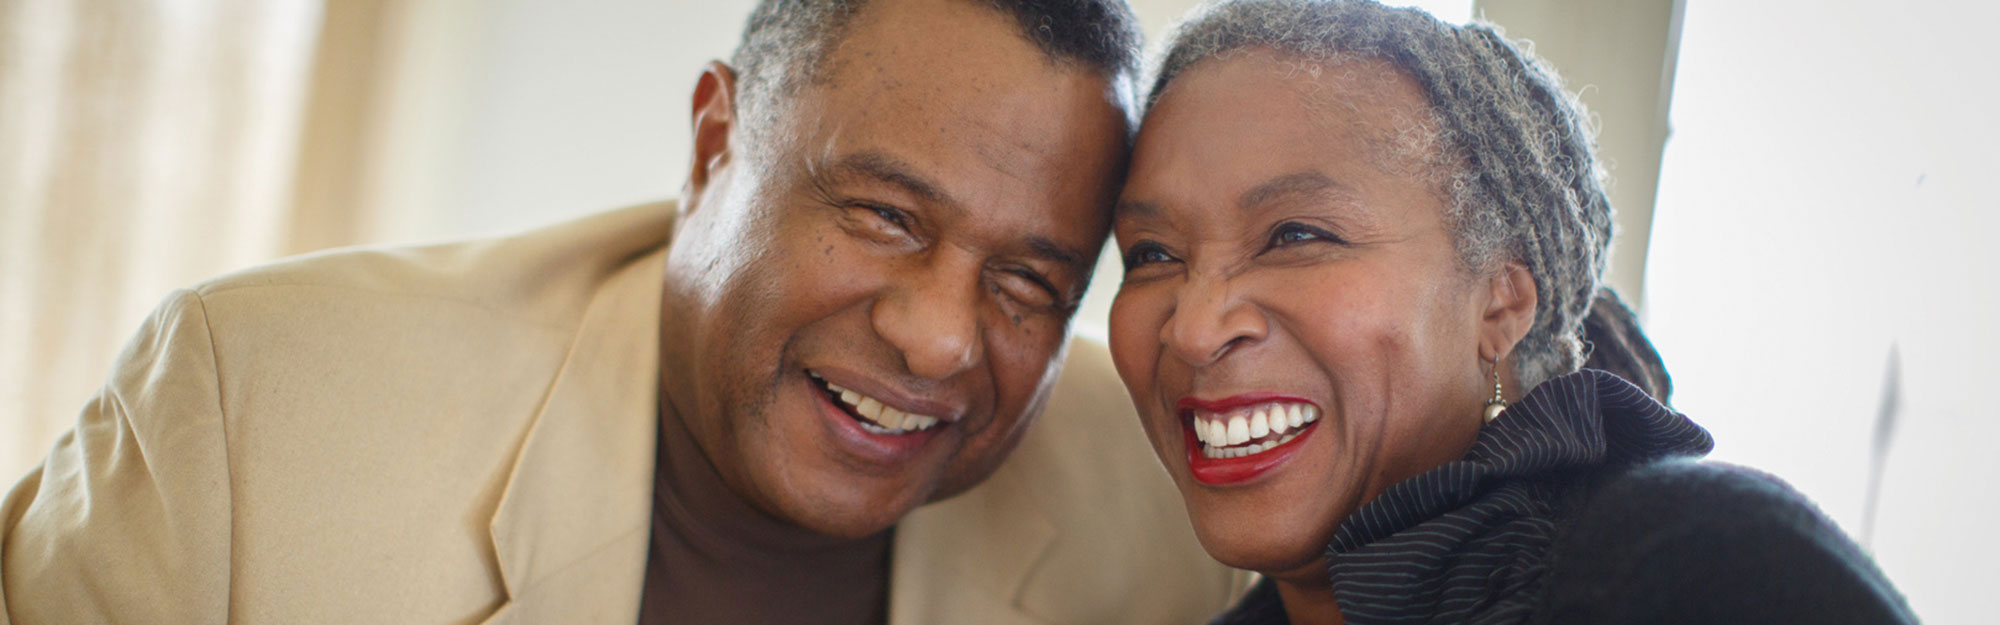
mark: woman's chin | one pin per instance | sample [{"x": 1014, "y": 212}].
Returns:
[{"x": 1264, "y": 547}]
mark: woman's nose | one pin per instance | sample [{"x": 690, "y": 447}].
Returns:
[{"x": 1209, "y": 320}]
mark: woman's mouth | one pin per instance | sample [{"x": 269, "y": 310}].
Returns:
[{"x": 1238, "y": 438}]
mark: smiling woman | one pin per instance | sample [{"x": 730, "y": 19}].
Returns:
[{"x": 1360, "y": 246}]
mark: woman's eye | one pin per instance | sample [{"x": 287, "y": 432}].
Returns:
[
  {"x": 1292, "y": 233},
  {"x": 1145, "y": 253}
]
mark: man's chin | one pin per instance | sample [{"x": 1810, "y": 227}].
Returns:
[{"x": 854, "y": 519}]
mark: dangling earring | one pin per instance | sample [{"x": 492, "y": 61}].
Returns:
[{"x": 1499, "y": 404}]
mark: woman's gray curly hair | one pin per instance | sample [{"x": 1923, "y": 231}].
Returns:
[{"x": 1526, "y": 186}]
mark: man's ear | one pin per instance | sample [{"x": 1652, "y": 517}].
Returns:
[
  {"x": 1510, "y": 311},
  {"x": 714, "y": 118}
]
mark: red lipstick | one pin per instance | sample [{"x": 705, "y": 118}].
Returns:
[{"x": 1226, "y": 471}]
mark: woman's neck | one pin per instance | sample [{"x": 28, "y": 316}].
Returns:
[{"x": 1310, "y": 602}]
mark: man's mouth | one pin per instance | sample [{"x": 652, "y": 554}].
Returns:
[
  {"x": 874, "y": 416},
  {"x": 1250, "y": 430}
]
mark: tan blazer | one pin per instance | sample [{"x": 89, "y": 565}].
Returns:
[{"x": 465, "y": 434}]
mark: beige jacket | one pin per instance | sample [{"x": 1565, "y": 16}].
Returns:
[{"x": 465, "y": 434}]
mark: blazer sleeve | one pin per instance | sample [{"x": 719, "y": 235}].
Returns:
[{"x": 128, "y": 519}]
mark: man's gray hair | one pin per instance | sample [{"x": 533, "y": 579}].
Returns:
[
  {"x": 786, "y": 41},
  {"x": 1524, "y": 185}
]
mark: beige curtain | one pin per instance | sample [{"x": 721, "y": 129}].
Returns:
[{"x": 148, "y": 144}]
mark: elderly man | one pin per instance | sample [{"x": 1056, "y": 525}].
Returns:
[{"x": 735, "y": 409}]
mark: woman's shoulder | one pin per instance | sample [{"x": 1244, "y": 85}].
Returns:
[
  {"x": 1683, "y": 541},
  {"x": 1696, "y": 495}
]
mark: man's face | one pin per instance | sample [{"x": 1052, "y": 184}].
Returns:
[{"x": 867, "y": 302}]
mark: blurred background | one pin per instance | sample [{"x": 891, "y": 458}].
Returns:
[{"x": 1804, "y": 193}]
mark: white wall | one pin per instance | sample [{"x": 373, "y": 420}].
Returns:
[
  {"x": 1827, "y": 198},
  {"x": 584, "y": 106}
]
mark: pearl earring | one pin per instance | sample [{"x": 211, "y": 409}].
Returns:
[{"x": 1499, "y": 404}]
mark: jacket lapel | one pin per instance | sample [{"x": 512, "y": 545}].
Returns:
[
  {"x": 570, "y": 533},
  {"x": 964, "y": 561}
]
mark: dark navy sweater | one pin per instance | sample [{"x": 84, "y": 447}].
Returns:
[{"x": 1586, "y": 502}]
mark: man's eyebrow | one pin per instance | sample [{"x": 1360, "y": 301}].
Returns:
[
  {"x": 1297, "y": 182},
  {"x": 1049, "y": 249},
  {"x": 889, "y": 169}
]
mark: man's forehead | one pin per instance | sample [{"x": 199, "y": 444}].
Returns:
[{"x": 1024, "y": 229}]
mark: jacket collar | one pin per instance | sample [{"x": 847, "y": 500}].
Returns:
[
  {"x": 570, "y": 532},
  {"x": 965, "y": 560}
]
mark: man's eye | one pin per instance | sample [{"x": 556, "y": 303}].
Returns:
[
  {"x": 888, "y": 214},
  {"x": 1028, "y": 288},
  {"x": 1146, "y": 253},
  {"x": 1293, "y": 233}
]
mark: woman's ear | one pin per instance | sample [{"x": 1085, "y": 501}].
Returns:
[
  {"x": 1509, "y": 313},
  {"x": 714, "y": 118}
]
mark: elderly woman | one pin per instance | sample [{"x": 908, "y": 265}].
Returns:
[{"x": 1359, "y": 246}]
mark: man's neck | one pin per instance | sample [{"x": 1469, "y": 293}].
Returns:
[
  {"x": 688, "y": 486},
  {"x": 716, "y": 558}
]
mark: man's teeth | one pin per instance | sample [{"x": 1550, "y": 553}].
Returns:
[
  {"x": 1270, "y": 425},
  {"x": 886, "y": 420}
]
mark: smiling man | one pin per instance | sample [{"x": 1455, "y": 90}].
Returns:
[{"x": 802, "y": 394}]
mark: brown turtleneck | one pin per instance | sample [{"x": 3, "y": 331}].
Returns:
[{"x": 716, "y": 559}]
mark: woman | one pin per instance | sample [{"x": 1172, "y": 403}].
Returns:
[{"x": 1359, "y": 248}]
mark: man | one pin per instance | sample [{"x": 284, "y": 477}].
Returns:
[{"x": 889, "y": 219}]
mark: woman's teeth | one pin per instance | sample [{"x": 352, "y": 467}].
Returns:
[
  {"x": 880, "y": 419},
  {"x": 1253, "y": 430}
]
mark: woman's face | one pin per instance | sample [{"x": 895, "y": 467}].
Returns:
[{"x": 1288, "y": 262}]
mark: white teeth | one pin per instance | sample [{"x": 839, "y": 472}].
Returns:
[
  {"x": 887, "y": 420},
  {"x": 1239, "y": 430},
  {"x": 1224, "y": 436}
]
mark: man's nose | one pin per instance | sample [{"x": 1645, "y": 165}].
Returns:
[
  {"x": 933, "y": 318},
  {"x": 1210, "y": 319}
]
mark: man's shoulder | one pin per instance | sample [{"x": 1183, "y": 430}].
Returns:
[
  {"x": 543, "y": 275},
  {"x": 351, "y": 344}
]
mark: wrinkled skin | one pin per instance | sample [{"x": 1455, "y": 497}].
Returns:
[
  {"x": 1282, "y": 235},
  {"x": 920, "y": 224}
]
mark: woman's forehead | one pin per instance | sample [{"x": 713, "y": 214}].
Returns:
[{"x": 1228, "y": 125}]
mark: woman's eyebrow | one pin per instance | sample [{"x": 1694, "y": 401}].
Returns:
[
  {"x": 1287, "y": 184},
  {"x": 1135, "y": 209}
]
